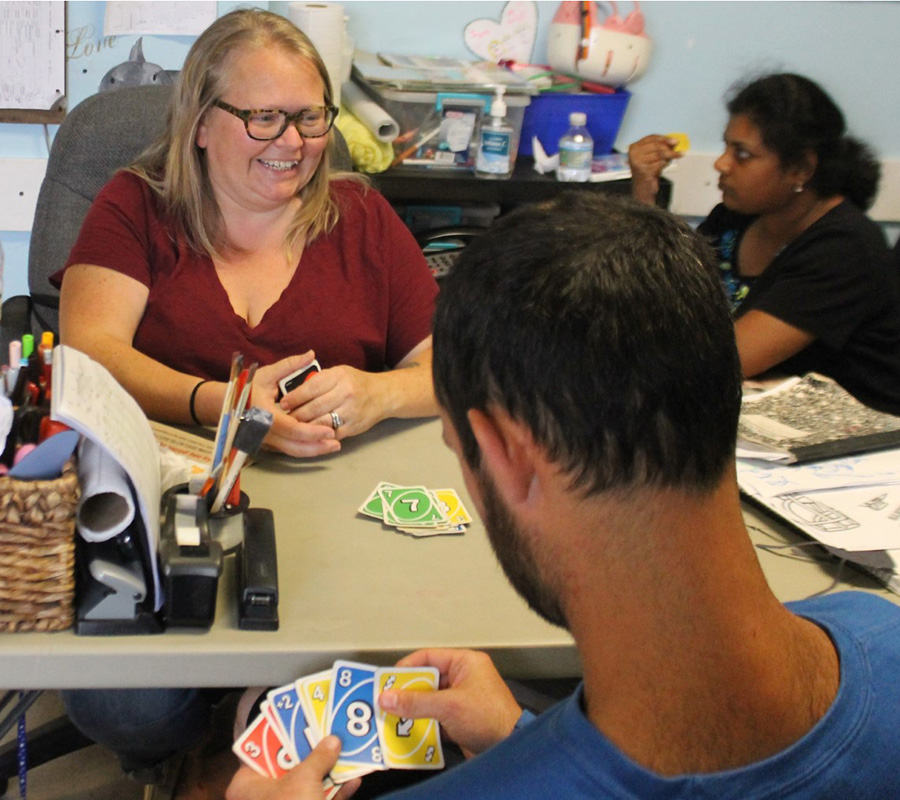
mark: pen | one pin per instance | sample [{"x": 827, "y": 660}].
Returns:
[
  {"x": 585, "y": 31},
  {"x": 235, "y": 411},
  {"x": 237, "y": 361},
  {"x": 252, "y": 429}
]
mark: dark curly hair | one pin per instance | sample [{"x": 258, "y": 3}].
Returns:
[{"x": 796, "y": 116}]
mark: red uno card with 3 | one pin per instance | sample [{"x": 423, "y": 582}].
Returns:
[{"x": 261, "y": 748}]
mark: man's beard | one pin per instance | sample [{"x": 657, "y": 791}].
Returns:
[{"x": 515, "y": 554}]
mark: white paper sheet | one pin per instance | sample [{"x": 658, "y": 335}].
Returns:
[
  {"x": 868, "y": 469},
  {"x": 860, "y": 519},
  {"x": 187, "y": 18},
  {"x": 89, "y": 400},
  {"x": 32, "y": 54}
]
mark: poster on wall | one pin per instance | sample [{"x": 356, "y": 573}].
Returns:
[
  {"x": 32, "y": 56},
  {"x": 161, "y": 17}
]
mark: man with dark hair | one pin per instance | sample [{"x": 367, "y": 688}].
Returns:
[{"x": 586, "y": 366}]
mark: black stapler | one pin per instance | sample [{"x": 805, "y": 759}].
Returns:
[{"x": 258, "y": 573}]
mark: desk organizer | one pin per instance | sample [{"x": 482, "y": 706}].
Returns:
[{"x": 37, "y": 552}]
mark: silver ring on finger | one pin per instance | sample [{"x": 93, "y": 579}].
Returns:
[{"x": 336, "y": 420}]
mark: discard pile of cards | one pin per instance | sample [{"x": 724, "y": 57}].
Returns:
[
  {"x": 417, "y": 510},
  {"x": 342, "y": 702}
]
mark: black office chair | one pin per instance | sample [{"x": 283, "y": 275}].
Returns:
[{"x": 100, "y": 135}]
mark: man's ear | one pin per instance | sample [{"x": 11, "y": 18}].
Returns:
[{"x": 507, "y": 452}]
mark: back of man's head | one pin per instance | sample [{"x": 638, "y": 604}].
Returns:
[{"x": 602, "y": 325}]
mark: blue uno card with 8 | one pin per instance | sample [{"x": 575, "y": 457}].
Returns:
[{"x": 352, "y": 714}]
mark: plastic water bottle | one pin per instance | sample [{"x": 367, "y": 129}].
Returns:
[{"x": 576, "y": 149}]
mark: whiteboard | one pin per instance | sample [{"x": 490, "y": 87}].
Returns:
[{"x": 32, "y": 55}]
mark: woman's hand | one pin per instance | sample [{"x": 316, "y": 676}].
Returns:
[
  {"x": 473, "y": 704},
  {"x": 303, "y": 782},
  {"x": 361, "y": 399},
  {"x": 648, "y": 157},
  {"x": 296, "y": 437},
  {"x": 351, "y": 393}
]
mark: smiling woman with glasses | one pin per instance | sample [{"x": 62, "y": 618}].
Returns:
[{"x": 231, "y": 233}]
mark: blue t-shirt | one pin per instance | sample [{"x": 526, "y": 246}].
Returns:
[{"x": 852, "y": 752}]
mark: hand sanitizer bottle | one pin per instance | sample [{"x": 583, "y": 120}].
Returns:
[
  {"x": 495, "y": 142},
  {"x": 576, "y": 150}
]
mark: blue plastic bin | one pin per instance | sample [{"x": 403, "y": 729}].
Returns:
[{"x": 547, "y": 117}]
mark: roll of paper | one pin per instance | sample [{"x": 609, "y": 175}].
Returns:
[
  {"x": 383, "y": 126},
  {"x": 323, "y": 23},
  {"x": 107, "y": 502}
]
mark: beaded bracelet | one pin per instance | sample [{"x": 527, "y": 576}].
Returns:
[{"x": 191, "y": 405}]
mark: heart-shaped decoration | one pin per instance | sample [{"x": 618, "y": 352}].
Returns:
[{"x": 511, "y": 38}]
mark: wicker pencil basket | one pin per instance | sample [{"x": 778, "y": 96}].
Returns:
[{"x": 37, "y": 552}]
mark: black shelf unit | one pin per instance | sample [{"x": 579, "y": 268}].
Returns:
[{"x": 410, "y": 185}]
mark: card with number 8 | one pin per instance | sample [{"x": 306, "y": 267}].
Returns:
[{"x": 351, "y": 714}]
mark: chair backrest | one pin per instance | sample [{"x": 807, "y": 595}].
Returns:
[{"x": 105, "y": 132}]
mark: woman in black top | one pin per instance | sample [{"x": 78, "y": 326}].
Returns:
[{"x": 810, "y": 277}]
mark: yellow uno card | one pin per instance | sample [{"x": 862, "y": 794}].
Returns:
[
  {"x": 313, "y": 691},
  {"x": 682, "y": 144},
  {"x": 409, "y": 743},
  {"x": 453, "y": 507}
]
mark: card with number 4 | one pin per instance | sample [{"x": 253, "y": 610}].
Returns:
[
  {"x": 351, "y": 714},
  {"x": 409, "y": 743},
  {"x": 314, "y": 691}
]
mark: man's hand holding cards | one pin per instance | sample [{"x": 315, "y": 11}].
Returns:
[{"x": 343, "y": 702}]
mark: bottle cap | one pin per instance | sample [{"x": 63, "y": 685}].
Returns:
[
  {"x": 577, "y": 119},
  {"x": 498, "y": 105}
]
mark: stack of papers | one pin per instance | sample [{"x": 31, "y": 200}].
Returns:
[
  {"x": 850, "y": 505},
  {"x": 423, "y": 74}
]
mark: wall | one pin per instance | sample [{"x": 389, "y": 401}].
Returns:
[{"x": 701, "y": 48}]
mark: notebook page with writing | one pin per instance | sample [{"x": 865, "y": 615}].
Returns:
[{"x": 89, "y": 400}]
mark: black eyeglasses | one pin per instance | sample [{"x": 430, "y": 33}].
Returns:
[{"x": 265, "y": 125}]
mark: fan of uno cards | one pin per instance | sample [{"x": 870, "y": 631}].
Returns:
[{"x": 342, "y": 702}]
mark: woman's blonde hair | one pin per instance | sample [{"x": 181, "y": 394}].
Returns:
[{"x": 176, "y": 168}]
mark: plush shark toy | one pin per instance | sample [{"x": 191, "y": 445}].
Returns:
[{"x": 137, "y": 71}]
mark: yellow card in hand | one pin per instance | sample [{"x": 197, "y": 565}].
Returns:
[
  {"x": 682, "y": 144},
  {"x": 409, "y": 743}
]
